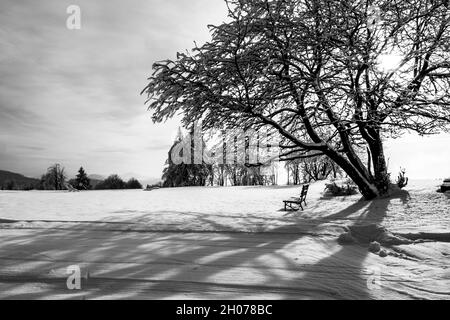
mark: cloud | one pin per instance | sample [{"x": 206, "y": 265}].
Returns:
[
  {"x": 72, "y": 96},
  {"x": 32, "y": 148}
]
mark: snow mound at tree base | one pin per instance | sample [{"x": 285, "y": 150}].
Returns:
[
  {"x": 376, "y": 233},
  {"x": 370, "y": 233}
]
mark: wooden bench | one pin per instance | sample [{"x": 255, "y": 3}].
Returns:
[{"x": 297, "y": 201}]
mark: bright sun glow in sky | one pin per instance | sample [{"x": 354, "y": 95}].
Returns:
[
  {"x": 72, "y": 96},
  {"x": 388, "y": 62}
]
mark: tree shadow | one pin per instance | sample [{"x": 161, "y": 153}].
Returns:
[
  {"x": 276, "y": 187},
  {"x": 349, "y": 281},
  {"x": 163, "y": 265}
]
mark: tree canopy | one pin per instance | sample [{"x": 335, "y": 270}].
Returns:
[
  {"x": 182, "y": 174},
  {"x": 133, "y": 183},
  {"x": 54, "y": 179},
  {"x": 112, "y": 182},
  {"x": 311, "y": 71}
]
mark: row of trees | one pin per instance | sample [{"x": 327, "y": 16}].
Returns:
[
  {"x": 213, "y": 173},
  {"x": 15, "y": 185},
  {"x": 305, "y": 170},
  {"x": 56, "y": 179},
  {"x": 302, "y": 170},
  {"x": 82, "y": 182},
  {"x": 114, "y": 182}
]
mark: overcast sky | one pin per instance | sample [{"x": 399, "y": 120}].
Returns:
[{"x": 72, "y": 96}]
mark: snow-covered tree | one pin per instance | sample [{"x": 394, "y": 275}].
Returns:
[
  {"x": 185, "y": 174},
  {"x": 312, "y": 70},
  {"x": 54, "y": 179}
]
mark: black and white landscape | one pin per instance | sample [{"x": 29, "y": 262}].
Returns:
[{"x": 210, "y": 149}]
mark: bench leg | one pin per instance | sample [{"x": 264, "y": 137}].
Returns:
[{"x": 287, "y": 204}]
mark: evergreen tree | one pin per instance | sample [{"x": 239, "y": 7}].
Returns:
[
  {"x": 82, "y": 181},
  {"x": 182, "y": 175}
]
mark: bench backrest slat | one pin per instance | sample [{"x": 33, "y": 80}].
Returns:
[{"x": 304, "y": 191}]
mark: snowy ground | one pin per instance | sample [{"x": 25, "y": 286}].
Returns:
[{"x": 232, "y": 242}]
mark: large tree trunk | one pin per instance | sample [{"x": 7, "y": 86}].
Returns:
[
  {"x": 366, "y": 186},
  {"x": 381, "y": 176}
]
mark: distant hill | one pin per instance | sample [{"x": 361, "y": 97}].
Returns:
[
  {"x": 94, "y": 182},
  {"x": 19, "y": 181},
  {"x": 96, "y": 177}
]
